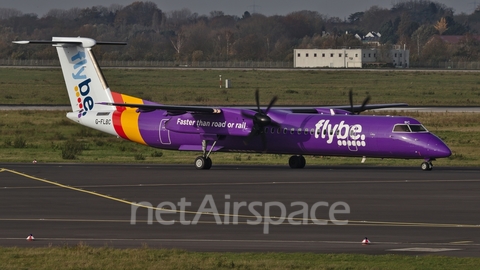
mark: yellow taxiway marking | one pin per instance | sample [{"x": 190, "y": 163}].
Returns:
[{"x": 309, "y": 221}]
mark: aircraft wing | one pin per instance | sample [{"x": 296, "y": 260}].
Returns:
[
  {"x": 169, "y": 108},
  {"x": 213, "y": 110},
  {"x": 356, "y": 108},
  {"x": 308, "y": 109}
]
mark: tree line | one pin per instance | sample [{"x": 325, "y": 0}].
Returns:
[{"x": 185, "y": 35}]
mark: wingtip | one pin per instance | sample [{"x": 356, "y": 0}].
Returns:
[{"x": 21, "y": 42}]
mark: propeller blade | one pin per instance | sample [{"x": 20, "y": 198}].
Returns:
[
  {"x": 249, "y": 137},
  {"x": 260, "y": 121},
  {"x": 257, "y": 99},
  {"x": 350, "y": 97},
  {"x": 367, "y": 99},
  {"x": 274, "y": 99},
  {"x": 362, "y": 107},
  {"x": 264, "y": 141}
]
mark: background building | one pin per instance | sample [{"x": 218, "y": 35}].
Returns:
[{"x": 349, "y": 58}]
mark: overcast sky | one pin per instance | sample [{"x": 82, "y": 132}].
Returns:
[{"x": 331, "y": 8}]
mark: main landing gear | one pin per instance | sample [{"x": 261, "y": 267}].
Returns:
[
  {"x": 427, "y": 165},
  {"x": 204, "y": 162},
  {"x": 297, "y": 162}
]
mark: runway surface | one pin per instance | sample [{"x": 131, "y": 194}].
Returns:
[{"x": 401, "y": 210}]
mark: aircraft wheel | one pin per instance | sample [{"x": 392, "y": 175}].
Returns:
[
  {"x": 200, "y": 163},
  {"x": 303, "y": 162},
  {"x": 426, "y": 166},
  {"x": 208, "y": 164},
  {"x": 292, "y": 162},
  {"x": 296, "y": 162}
]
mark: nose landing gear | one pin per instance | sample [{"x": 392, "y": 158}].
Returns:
[{"x": 427, "y": 165}]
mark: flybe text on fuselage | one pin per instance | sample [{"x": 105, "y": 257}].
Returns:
[
  {"x": 85, "y": 102},
  {"x": 344, "y": 134}
]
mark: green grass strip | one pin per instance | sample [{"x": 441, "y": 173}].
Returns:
[{"x": 82, "y": 256}]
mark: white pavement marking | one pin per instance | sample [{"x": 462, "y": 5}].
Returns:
[{"x": 419, "y": 249}]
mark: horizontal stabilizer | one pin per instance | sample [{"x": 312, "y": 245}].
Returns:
[{"x": 66, "y": 41}]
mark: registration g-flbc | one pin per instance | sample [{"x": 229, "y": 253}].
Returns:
[{"x": 103, "y": 121}]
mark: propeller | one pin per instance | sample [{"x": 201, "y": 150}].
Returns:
[
  {"x": 364, "y": 103},
  {"x": 260, "y": 121}
]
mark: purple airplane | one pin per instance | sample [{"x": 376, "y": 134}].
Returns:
[{"x": 324, "y": 131}]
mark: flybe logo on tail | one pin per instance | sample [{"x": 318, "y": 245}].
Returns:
[{"x": 85, "y": 102}]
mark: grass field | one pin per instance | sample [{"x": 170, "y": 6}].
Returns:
[
  {"x": 44, "y": 135},
  {"x": 85, "y": 257},
  {"x": 299, "y": 87}
]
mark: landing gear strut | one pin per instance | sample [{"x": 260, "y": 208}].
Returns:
[
  {"x": 427, "y": 165},
  {"x": 204, "y": 162},
  {"x": 296, "y": 162}
]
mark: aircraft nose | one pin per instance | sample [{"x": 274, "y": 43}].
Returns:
[
  {"x": 445, "y": 151},
  {"x": 441, "y": 150}
]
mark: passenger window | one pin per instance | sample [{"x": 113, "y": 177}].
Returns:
[
  {"x": 292, "y": 130},
  {"x": 312, "y": 131},
  {"x": 305, "y": 131},
  {"x": 299, "y": 131},
  {"x": 285, "y": 131}
]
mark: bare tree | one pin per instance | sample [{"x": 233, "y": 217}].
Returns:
[
  {"x": 441, "y": 25},
  {"x": 177, "y": 43}
]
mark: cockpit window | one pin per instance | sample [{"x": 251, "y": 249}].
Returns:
[
  {"x": 401, "y": 128},
  {"x": 417, "y": 128},
  {"x": 409, "y": 128}
]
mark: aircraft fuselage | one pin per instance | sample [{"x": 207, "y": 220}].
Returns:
[{"x": 308, "y": 134}]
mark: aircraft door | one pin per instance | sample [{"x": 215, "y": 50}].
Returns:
[{"x": 164, "y": 133}]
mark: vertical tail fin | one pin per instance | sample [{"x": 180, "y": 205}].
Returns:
[{"x": 84, "y": 80}]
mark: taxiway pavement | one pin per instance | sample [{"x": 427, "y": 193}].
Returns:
[{"x": 401, "y": 210}]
